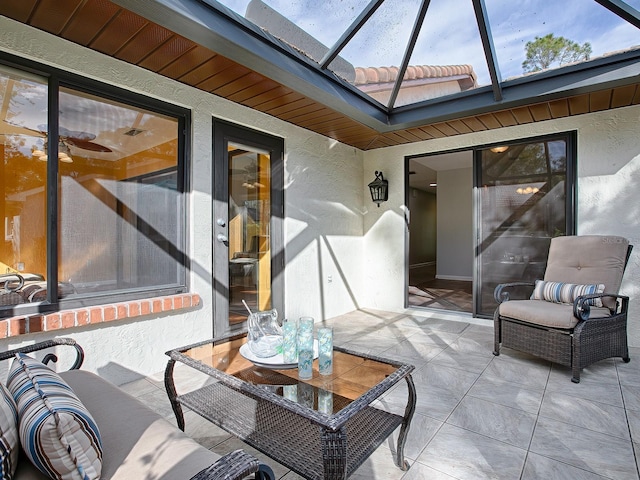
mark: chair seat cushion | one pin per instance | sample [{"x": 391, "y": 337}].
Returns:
[
  {"x": 138, "y": 443},
  {"x": 548, "y": 314},
  {"x": 588, "y": 259}
]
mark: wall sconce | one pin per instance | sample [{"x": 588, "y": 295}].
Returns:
[
  {"x": 527, "y": 190},
  {"x": 379, "y": 189}
]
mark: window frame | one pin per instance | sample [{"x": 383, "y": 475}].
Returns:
[{"x": 56, "y": 79}]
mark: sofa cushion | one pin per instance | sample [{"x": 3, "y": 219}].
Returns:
[
  {"x": 9, "y": 442},
  {"x": 56, "y": 431},
  {"x": 588, "y": 259},
  {"x": 548, "y": 314},
  {"x": 138, "y": 443},
  {"x": 559, "y": 292}
]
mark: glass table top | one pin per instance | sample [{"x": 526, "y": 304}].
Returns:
[{"x": 353, "y": 375}]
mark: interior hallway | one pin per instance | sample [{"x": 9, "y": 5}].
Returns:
[{"x": 425, "y": 290}]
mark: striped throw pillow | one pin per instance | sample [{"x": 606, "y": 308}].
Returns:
[
  {"x": 57, "y": 432},
  {"x": 9, "y": 442},
  {"x": 559, "y": 292}
]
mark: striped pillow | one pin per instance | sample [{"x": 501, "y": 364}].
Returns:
[
  {"x": 9, "y": 443},
  {"x": 559, "y": 292},
  {"x": 57, "y": 432}
]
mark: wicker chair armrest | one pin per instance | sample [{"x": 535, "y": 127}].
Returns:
[
  {"x": 9, "y": 278},
  {"x": 582, "y": 304},
  {"x": 50, "y": 356},
  {"x": 501, "y": 293},
  {"x": 235, "y": 465}
]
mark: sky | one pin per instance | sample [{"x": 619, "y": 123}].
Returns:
[{"x": 449, "y": 34}]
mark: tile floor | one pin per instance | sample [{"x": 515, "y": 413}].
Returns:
[{"x": 478, "y": 416}]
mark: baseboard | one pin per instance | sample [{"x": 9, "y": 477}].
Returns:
[
  {"x": 423, "y": 264},
  {"x": 454, "y": 277}
]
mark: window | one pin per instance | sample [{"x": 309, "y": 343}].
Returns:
[{"x": 108, "y": 218}]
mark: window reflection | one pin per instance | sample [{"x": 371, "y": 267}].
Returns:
[
  {"x": 522, "y": 206},
  {"x": 119, "y": 202},
  {"x": 23, "y": 106},
  {"x": 120, "y": 219}
]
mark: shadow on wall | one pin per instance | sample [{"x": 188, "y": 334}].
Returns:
[{"x": 610, "y": 205}]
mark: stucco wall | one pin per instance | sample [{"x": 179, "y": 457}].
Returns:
[
  {"x": 323, "y": 207},
  {"x": 608, "y": 197}
]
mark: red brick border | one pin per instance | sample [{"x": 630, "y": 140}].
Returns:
[{"x": 12, "y": 327}]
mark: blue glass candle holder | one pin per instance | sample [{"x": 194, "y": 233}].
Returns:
[
  {"x": 325, "y": 350},
  {"x": 290, "y": 392},
  {"x": 306, "y": 394},
  {"x": 290, "y": 341},
  {"x": 305, "y": 348}
]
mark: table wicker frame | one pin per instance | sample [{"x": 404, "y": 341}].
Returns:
[{"x": 312, "y": 444}]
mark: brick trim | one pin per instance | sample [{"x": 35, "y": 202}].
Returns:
[{"x": 14, "y": 326}]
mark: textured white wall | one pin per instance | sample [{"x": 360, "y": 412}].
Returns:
[
  {"x": 323, "y": 204},
  {"x": 455, "y": 224},
  {"x": 608, "y": 195}
]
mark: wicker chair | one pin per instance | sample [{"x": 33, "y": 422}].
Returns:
[
  {"x": 10, "y": 283},
  {"x": 559, "y": 321}
]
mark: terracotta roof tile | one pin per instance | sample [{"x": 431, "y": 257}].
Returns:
[{"x": 368, "y": 75}]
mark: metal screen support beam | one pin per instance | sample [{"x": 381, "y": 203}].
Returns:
[
  {"x": 409, "y": 51},
  {"x": 489, "y": 50},
  {"x": 623, "y": 10},
  {"x": 350, "y": 32}
]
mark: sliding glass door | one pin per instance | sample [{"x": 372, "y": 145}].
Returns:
[{"x": 524, "y": 198}]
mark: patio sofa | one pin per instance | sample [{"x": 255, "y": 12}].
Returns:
[
  {"x": 19, "y": 288},
  {"x": 136, "y": 443}
]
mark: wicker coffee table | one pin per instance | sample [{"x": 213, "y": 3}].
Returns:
[{"x": 324, "y": 427}]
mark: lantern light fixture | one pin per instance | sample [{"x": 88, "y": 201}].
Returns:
[
  {"x": 379, "y": 189},
  {"x": 64, "y": 153},
  {"x": 500, "y": 149}
]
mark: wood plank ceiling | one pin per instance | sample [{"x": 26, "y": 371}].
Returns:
[{"x": 119, "y": 33}]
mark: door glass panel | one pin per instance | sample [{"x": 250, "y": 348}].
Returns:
[
  {"x": 249, "y": 231},
  {"x": 522, "y": 205}
]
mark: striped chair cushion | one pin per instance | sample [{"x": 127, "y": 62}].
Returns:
[
  {"x": 9, "y": 442},
  {"x": 56, "y": 431},
  {"x": 559, "y": 292}
]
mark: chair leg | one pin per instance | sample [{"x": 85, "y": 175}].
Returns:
[
  {"x": 575, "y": 370},
  {"x": 496, "y": 333},
  {"x": 264, "y": 473}
]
